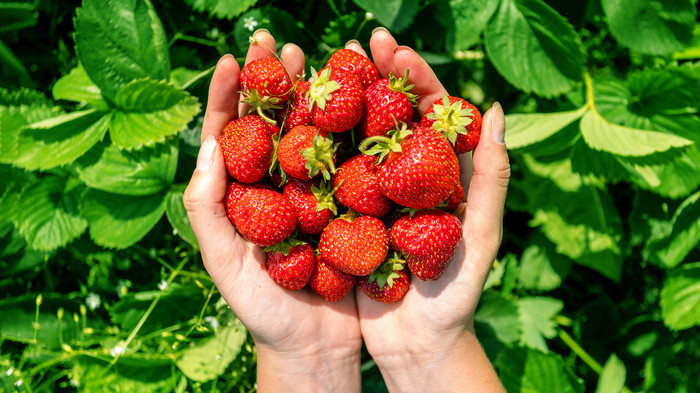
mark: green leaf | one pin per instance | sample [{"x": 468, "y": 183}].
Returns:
[
  {"x": 680, "y": 297},
  {"x": 130, "y": 172},
  {"x": 396, "y": 15},
  {"x": 528, "y": 129},
  {"x": 13, "y": 69},
  {"x": 655, "y": 27},
  {"x": 59, "y": 140},
  {"x": 524, "y": 370},
  {"x": 18, "y": 14},
  {"x": 196, "y": 362},
  {"x": 119, "y": 221},
  {"x": 671, "y": 250},
  {"x": 148, "y": 111},
  {"x": 537, "y": 317},
  {"x": 47, "y": 213},
  {"x": 133, "y": 373},
  {"x": 547, "y": 48},
  {"x": 602, "y": 135},
  {"x": 119, "y": 41},
  {"x": 177, "y": 215},
  {"x": 612, "y": 378},
  {"x": 225, "y": 9},
  {"x": 542, "y": 269},
  {"x": 183, "y": 77},
  {"x": 467, "y": 20},
  {"x": 77, "y": 86},
  {"x": 501, "y": 314}
]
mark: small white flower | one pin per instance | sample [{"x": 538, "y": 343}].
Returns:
[
  {"x": 213, "y": 322},
  {"x": 74, "y": 382},
  {"x": 93, "y": 301},
  {"x": 19, "y": 382},
  {"x": 10, "y": 371},
  {"x": 118, "y": 350},
  {"x": 369, "y": 15},
  {"x": 162, "y": 285},
  {"x": 250, "y": 23}
]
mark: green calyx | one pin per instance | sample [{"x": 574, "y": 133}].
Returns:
[
  {"x": 387, "y": 272},
  {"x": 321, "y": 89},
  {"x": 383, "y": 145},
  {"x": 285, "y": 245},
  {"x": 324, "y": 197},
  {"x": 451, "y": 119},
  {"x": 399, "y": 85},
  {"x": 319, "y": 158},
  {"x": 262, "y": 105}
]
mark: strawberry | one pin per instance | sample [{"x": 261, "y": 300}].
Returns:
[
  {"x": 458, "y": 120},
  {"x": 354, "y": 245},
  {"x": 247, "y": 148},
  {"x": 292, "y": 265},
  {"x": 330, "y": 283},
  {"x": 313, "y": 203},
  {"x": 296, "y": 112},
  {"x": 265, "y": 85},
  {"x": 335, "y": 100},
  {"x": 235, "y": 191},
  {"x": 427, "y": 241},
  {"x": 387, "y": 101},
  {"x": 305, "y": 151},
  {"x": 354, "y": 63},
  {"x": 455, "y": 198},
  {"x": 419, "y": 168},
  {"x": 388, "y": 283},
  {"x": 357, "y": 180},
  {"x": 264, "y": 217}
]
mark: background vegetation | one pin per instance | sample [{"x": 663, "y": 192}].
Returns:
[{"x": 597, "y": 285}]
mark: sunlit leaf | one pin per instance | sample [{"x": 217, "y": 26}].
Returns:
[
  {"x": 467, "y": 21},
  {"x": 527, "y": 129},
  {"x": 542, "y": 269},
  {"x": 524, "y": 370},
  {"x": 537, "y": 316},
  {"x": 77, "y": 86},
  {"x": 613, "y": 376},
  {"x": 671, "y": 250},
  {"x": 680, "y": 297}
]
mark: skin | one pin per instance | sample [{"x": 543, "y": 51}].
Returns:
[{"x": 426, "y": 341}]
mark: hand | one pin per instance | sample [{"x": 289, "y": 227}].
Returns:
[
  {"x": 303, "y": 342},
  {"x": 426, "y": 341}
]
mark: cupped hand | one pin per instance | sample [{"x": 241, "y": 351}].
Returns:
[{"x": 293, "y": 330}]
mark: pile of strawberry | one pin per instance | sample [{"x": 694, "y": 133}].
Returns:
[{"x": 332, "y": 213}]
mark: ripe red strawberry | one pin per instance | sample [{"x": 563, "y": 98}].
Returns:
[
  {"x": 235, "y": 191},
  {"x": 357, "y": 180},
  {"x": 427, "y": 241},
  {"x": 313, "y": 202},
  {"x": 247, "y": 148},
  {"x": 350, "y": 61},
  {"x": 388, "y": 283},
  {"x": 335, "y": 100},
  {"x": 265, "y": 217},
  {"x": 330, "y": 283},
  {"x": 354, "y": 246},
  {"x": 265, "y": 85},
  {"x": 296, "y": 112},
  {"x": 387, "y": 101},
  {"x": 455, "y": 198},
  {"x": 458, "y": 120},
  {"x": 421, "y": 169},
  {"x": 293, "y": 266},
  {"x": 305, "y": 151}
]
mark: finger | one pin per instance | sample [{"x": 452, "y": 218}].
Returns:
[
  {"x": 425, "y": 83},
  {"x": 487, "y": 192},
  {"x": 293, "y": 59},
  {"x": 223, "y": 97},
  {"x": 203, "y": 201},
  {"x": 382, "y": 46},
  {"x": 354, "y": 45},
  {"x": 262, "y": 45}
]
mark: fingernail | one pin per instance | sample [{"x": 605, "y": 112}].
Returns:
[
  {"x": 380, "y": 28},
  {"x": 262, "y": 30},
  {"x": 206, "y": 153},
  {"x": 498, "y": 123},
  {"x": 351, "y": 42},
  {"x": 402, "y": 47}
]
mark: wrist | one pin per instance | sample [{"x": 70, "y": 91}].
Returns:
[{"x": 312, "y": 369}]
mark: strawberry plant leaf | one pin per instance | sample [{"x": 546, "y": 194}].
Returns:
[
  {"x": 226, "y": 9},
  {"x": 134, "y": 373},
  {"x": 47, "y": 213},
  {"x": 77, "y": 86},
  {"x": 531, "y": 371},
  {"x": 680, "y": 297},
  {"x": 195, "y": 361},
  {"x": 59, "y": 140},
  {"x": 528, "y": 129},
  {"x": 548, "y": 49},
  {"x": 537, "y": 317},
  {"x": 120, "y": 41},
  {"x": 652, "y": 27},
  {"x": 612, "y": 378},
  {"x": 148, "y": 111},
  {"x": 396, "y": 15},
  {"x": 177, "y": 216},
  {"x": 129, "y": 172},
  {"x": 501, "y": 314},
  {"x": 119, "y": 221},
  {"x": 541, "y": 268},
  {"x": 466, "y": 22},
  {"x": 669, "y": 251}
]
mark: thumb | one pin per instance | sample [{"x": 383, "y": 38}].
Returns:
[{"x": 204, "y": 203}]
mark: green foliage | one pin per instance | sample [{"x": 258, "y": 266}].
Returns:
[{"x": 595, "y": 288}]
